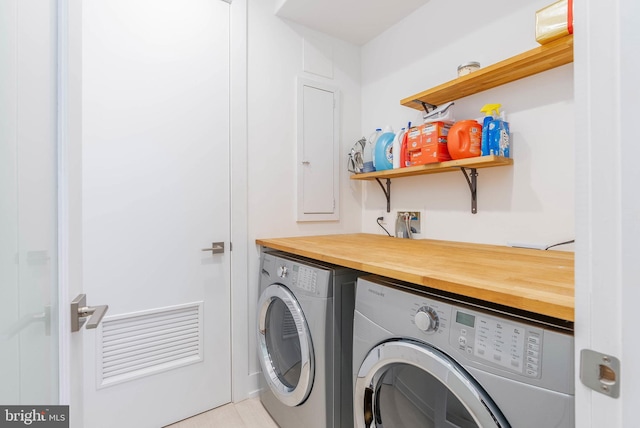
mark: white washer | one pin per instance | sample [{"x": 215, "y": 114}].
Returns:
[
  {"x": 304, "y": 331},
  {"x": 428, "y": 360}
]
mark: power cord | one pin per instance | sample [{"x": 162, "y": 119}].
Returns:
[
  {"x": 561, "y": 243},
  {"x": 380, "y": 224}
]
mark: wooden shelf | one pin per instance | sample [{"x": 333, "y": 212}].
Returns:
[
  {"x": 534, "y": 61},
  {"x": 463, "y": 165},
  {"x": 434, "y": 168}
]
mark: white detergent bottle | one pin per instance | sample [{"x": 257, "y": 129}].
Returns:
[
  {"x": 368, "y": 165},
  {"x": 395, "y": 153}
]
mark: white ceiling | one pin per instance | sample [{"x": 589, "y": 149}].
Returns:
[{"x": 355, "y": 21}]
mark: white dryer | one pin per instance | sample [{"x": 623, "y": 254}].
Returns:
[
  {"x": 423, "y": 359},
  {"x": 304, "y": 332}
]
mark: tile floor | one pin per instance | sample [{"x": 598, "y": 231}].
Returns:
[{"x": 245, "y": 414}]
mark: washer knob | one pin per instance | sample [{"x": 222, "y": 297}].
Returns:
[
  {"x": 426, "y": 319},
  {"x": 282, "y": 271}
]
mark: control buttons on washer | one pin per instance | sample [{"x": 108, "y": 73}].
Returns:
[
  {"x": 532, "y": 365},
  {"x": 426, "y": 319},
  {"x": 306, "y": 279},
  {"x": 282, "y": 271}
]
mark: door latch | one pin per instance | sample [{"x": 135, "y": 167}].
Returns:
[
  {"x": 80, "y": 311},
  {"x": 600, "y": 372}
]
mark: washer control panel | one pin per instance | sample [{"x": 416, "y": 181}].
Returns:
[
  {"x": 430, "y": 316},
  {"x": 427, "y": 319},
  {"x": 282, "y": 271},
  {"x": 508, "y": 345},
  {"x": 305, "y": 278}
]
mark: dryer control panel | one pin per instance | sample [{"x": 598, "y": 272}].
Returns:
[
  {"x": 305, "y": 278},
  {"x": 298, "y": 277},
  {"x": 505, "y": 344}
]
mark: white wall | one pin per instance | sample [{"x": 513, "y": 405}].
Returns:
[
  {"x": 275, "y": 59},
  {"x": 533, "y": 201}
]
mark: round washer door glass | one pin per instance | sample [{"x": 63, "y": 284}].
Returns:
[
  {"x": 284, "y": 345},
  {"x": 406, "y": 384}
]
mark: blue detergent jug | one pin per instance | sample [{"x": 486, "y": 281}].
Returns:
[{"x": 383, "y": 155}]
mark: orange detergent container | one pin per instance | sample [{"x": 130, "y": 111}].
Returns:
[
  {"x": 404, "y": 153},
  {"x": 464, "y": 139},
  {"x": 428, "y": 143}
]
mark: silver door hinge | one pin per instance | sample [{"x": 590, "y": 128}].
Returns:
[{"x": 600, "y": 372}]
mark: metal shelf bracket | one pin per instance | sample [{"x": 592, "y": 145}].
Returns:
[
  {"x": 387, "y": 192},
  {"x": 426, "y": 106},
  {"x": 472, "y": 181}
]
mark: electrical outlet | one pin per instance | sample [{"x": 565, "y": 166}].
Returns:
[
  {"x": 384, "y": 215},
  {"x": 414, "y": 217}
]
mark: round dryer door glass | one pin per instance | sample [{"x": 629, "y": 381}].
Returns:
[
  {"x": 283, "y": 343},
  {"x": 285, "y": 347},
  {"x": 407, "y": 396},
  {"x": 407, "y": 384}
]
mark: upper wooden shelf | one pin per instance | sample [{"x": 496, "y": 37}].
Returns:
[
  {"x": 433, "y": 168},
  {"x": 537, "y": 60}
]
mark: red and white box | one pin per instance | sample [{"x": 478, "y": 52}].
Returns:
[{"x": 430, "y": 145}]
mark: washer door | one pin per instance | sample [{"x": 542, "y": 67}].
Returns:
[
  {"x": 406, "y": 383},
  {"x": 284, "y": 345}
]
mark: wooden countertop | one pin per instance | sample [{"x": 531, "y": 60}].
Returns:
[{"x": 537, "y": 281}]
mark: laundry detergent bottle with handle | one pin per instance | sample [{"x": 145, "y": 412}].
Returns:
[
  {"x": 397, "y": 146},
  {"x": 383, "y": 155},
  {"x": 369, "y": 149},
  {"x": 491, "y": 112}
]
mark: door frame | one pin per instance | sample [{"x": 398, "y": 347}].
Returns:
[
  {"x": 240, "y": 370},
  {"x": 70, "y": 201},
  {"x": 607, "y": 207}
]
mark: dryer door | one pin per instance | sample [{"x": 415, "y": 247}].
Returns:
[
  {"x": 284, "y": 345},
  {"x": 407, "y": 383}
]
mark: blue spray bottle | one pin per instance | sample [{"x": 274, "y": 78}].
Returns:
[
  {"x": 500, "y": 137},
  {"x": 491, "y": 112}
]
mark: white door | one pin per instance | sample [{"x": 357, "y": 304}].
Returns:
[{"x": 155, "y": 85}]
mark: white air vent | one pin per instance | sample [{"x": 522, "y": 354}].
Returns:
[{"x": 144, "y": 343}]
